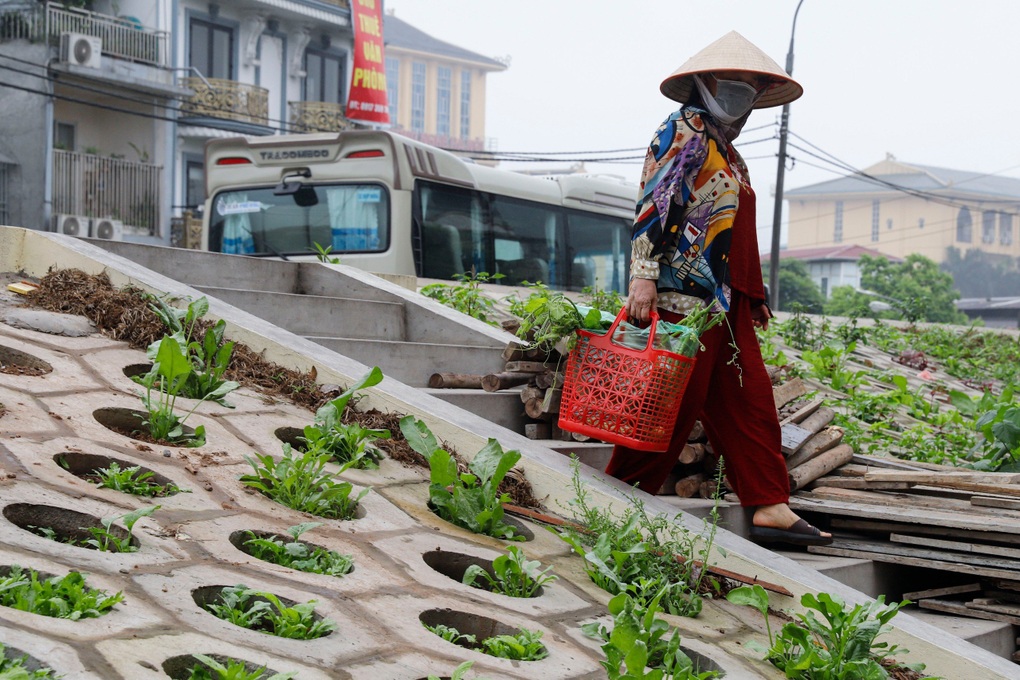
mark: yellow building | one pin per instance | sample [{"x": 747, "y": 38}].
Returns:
[
  {"x": 899, "y": 208},
  {"x": 436, "y": 90}
]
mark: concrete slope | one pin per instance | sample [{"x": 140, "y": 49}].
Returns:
[{"x": 383, "y": 638}]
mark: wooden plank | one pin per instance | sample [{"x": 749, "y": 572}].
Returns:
[
  {"x": 858, "y": 483},
  {"x": 994, "y": 502},
  {"x": 942, "y": 478},
  {"x": 897, "y": 464},
  {"x": 817, "y": 444},
  {"x": 789, "y": 391},
  {"x": 994, "y": 606},
  {"x": 793, "y": 437},
  {"x": 916, "y": 595},
  {"x": 958, "y": 546},
  {"x": 889, "y": 527},
  {"x": 802, "y": 413},
  {"x": 910, "y": 502},
  {"x": 920, "y": 559},
  {"x": 819, "y": 466},
  {"x": 960, "y": 609}
]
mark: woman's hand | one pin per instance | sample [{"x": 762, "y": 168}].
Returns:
[
  {"x": 760, "y": 316},
  {"x": 642, "y": 299}
]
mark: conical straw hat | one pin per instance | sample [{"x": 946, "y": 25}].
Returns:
[{"x": 733, "y": 52}]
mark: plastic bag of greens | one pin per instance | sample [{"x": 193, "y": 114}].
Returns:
[{"x": 672, "y": 337}]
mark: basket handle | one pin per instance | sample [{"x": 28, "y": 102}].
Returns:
[{"x": 653, "y": 317}]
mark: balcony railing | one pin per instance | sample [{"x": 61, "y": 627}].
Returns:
[
  {"x": 123, "y": 38},
  {"x": 338, "y": 3},
  {"x": 318, "y": 117},
  {"x": 93, "y": 186},
  {"x": 216, "y": 98},
  {"x": 22, "y": 22}
]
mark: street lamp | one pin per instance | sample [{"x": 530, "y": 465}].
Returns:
[{"x": 777, "y": 213}]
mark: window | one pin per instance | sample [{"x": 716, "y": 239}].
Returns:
[
  {"x": 324, "y": 77},
  {"x": 963, "y": 225},
  {"x": 393, "y": 87},
  {"x": 874, "y": 219},
  {"x": 837, "y": 231},
  {"x": 194, "y": 171},
  {"x": 444, "y": 79},
  {"x": 1005, "y": 229},
  {"x": 825, "y": 287},
  {"x": 988, "y": 227},
  {"x": 465, "y": 104},
  {"x": 63, "y": 136},
  {"x": 212, "y": 49},
  {"x": 417, "y": 97}
]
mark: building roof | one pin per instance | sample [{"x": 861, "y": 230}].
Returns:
[
  {"x": 400, "y": 34},
  {"x": 840, "y": 253},
  {"x": 988, "y": 304},
  {"x": 925, "y": 178}
]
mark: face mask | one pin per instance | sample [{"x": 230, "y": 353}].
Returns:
[{"x": 733, "y": 99}]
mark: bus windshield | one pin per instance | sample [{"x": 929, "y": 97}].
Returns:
[
  {"x": 524, "y": 241},
  {"x": 346, "y": 217}
]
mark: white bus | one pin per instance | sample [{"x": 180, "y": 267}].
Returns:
[{"x": 388, "y": 204}]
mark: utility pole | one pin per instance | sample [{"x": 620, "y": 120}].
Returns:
[{"x": 777, "y": 213}]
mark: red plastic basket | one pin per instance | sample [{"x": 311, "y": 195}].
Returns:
[{"x": 622, "y": 395}]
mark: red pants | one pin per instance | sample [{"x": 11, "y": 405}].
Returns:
[{"x": 739, "y": 417}]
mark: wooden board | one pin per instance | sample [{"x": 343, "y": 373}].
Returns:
[
  {"x": 889, "y": 527},
  {"x": 994, "y": 502},
  {"x": 803, "y": 412},
  {"x": 793, "y": 437},
  {"x": 942, "y": 478},
  {"x": 928, "y": 559},
  {"x": 816, "y": 445},
  {"x": 789, "y": 391},
  {"x": 960, "y": 609},
  {"x": 958, "y": 546},
  {"x": 859, "y": 484},
  {"x": 942, "y": 592}
]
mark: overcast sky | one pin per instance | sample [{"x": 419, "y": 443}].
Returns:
[{"x": 930, "y": 81}]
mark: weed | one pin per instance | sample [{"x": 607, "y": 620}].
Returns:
[
  {"x": 513, "y": 574},
  {"x": 13, "y": 668},
  {"x": 233, "y": 669},
  {"x": 297, "y": 555},
  {"x": 459, "y": 673},
  {"x": 636, "y": 646},
  {"x": 524, "y": 646},
  {"x": 66, "y": 597},
  {"x": 323, "y": 253},
  {"x": 133, "y": 481},
  {"x": 263, "y": 611},
  {"x": 103, "y": 537},
  {"x": 302, "y": 483},
  {"x": 466, "y": 296},
  {"x": 841, "y": 647},
  {"x": 602, "y": 300},
  {"x": 468, "y": 499}
]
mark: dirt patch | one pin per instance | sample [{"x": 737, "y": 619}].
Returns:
[{"x": 125, "y": 315}]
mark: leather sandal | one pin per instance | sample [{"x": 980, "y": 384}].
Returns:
[{"x": 800, "y": 533}]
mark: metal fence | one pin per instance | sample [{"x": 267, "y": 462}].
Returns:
[
  {"x": 93, "y": 186},
  {"x": 122, "y": 37},
  {"x": 22, "y": 21}
]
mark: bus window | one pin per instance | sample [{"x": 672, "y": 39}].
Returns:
[
  {"x": 600, "y": 251},
  {"x": 453, "y": 231},
  {"x": 527, "y": 242},
  {"x": 346, "y": 217}
]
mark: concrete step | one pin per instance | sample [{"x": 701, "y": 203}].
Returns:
[
  {"x": 316, "y": 315},
  {"x": 413, "y": 362},
  {"x": 503, "y": 408}
]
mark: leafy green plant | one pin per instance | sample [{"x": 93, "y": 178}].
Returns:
[
  {"x": 466, "y": 296},
  {"x": 547, "y": 316},
  {"x": 63, "y": 597},
  {"x": 636, "y": 646},
  {"x": 839, "y": 646},
  {"x": 470, "y": 499},
  {"x": 133, "y": 481},
  {"x": 303, "y": 483},
  {"x": 104, "y": 539},
  {"x": 263, "y": 611},
  {"x": 346, "y": 443},
  {"x": 459, "y": 673},
  {"x": 513, "y": 574},
  {"x": 323, "y": 253},
  {"x": 602, "y": 300},
  {"x": 234, "y": 669},
  {"x": 523, "y": 646},
  {"x": 829, "y": 364},
  {"x": 298, "y": 555},
  {"x": 13, "y": 668}
]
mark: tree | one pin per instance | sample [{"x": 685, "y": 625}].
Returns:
[
  {"x": 845, "y": 301},
  {"x": 915, "y": 287},
  {"x": 984, "y": 275},
  {"x": 796, "y": 286}
]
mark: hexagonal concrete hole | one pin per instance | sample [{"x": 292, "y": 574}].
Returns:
[
  {"x": 519, "y": 527},
  {"x": 180, "y": 667},
  {"x": 240, "y": 537},
  {"x": 16, "y": 362},
  {"x": 87, "y": 466},
  {"x": 131, "y": 423},
  {"x": 454, "y": 564},
  {"x": 291, "y": 435},
  {"x": 133, "y": 370},
  {"x": 701, "y": 662},
  {"x": 214, "y": 595},
  {"x": 481, "y": 627},
  {"x": 61, "y": 524}
]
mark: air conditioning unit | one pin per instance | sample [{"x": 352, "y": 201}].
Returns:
[
  {"x": 81, "y": 50},
  {"x": 111, "y": 230},
  {"x": 71, "y": 225}
]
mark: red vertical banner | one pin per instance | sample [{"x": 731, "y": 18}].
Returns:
[{"x": 367, "y": 100}]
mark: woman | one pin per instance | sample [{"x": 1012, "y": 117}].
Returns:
[{"x": 694, "y": 243}]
